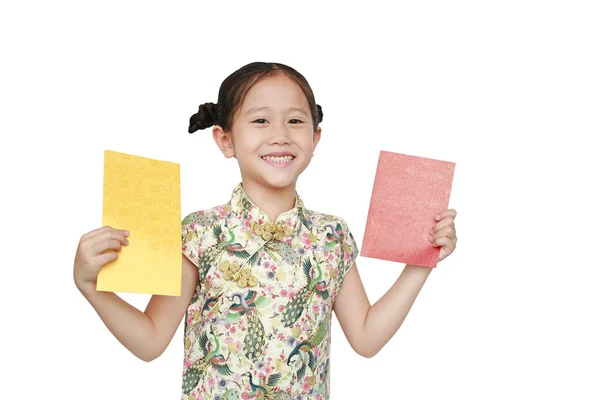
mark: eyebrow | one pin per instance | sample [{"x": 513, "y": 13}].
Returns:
[{"x": 300, "y": 110}]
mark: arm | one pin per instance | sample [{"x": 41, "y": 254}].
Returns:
[
  {"x": 369, "y": 327},
  {"x": 146, "y": 334}
]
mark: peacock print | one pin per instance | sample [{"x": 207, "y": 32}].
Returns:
[
  {"x": 308, "y": 223},
  {"x": 258, "y": 323},
  {"x": 254, "y": 341},
  {"x": 295, "y": 307},
  {"x": 210, "y": 357},
  {"x": 334, "y": 237},
  {"x": 266, "y": 390},
  {"x": 225, "y": 239},
  {"x": 284, "y": 250},
  {"x": 202, "y": 219},
  {"x": 303, "y": 355}
]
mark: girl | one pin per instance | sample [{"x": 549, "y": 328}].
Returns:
[{"x": 261, "y": 273}]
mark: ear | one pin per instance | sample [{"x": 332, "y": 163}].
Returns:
[
  {"x": 316, "y": 137},
  {"x": 224, "y": 141}
]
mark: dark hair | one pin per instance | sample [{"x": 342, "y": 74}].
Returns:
[{"x": 233, "y": 91}]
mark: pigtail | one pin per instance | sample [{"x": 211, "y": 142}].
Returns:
[{"x": 208, "y": 115}]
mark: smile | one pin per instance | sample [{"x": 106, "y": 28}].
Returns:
[{"x": 279, "y": 161}]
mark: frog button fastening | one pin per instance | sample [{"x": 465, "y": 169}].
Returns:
[
  {"x": 270, "y": 231},
  {"x": 231, "y": 272},
  {"x": 246, "y": 279}
]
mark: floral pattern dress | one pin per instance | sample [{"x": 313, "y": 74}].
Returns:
[{"x": 259, "y": 323}]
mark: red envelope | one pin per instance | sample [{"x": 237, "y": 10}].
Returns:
[{"x": 408, "y": 193}]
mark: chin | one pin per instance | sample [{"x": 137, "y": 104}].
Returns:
[
  {"x": 279, "y": 179},
  {"x": 279, "y": 182}
]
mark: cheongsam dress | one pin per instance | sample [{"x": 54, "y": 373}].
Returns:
[{"x": 259, "y": 323}]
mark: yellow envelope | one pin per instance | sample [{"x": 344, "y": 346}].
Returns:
[{"x": 142, "y": 195}]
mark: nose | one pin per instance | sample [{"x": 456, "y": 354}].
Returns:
[{"x": 280, "y": 134}]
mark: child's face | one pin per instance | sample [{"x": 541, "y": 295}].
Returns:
[{"x": 277, "y": 131}]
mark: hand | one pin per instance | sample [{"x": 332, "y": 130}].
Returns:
[
  {"x": 94, "y": 251},
  {"x": 444, "y": 233}
]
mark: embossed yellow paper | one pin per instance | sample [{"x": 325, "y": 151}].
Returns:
[{"x": 142, "y": 195}]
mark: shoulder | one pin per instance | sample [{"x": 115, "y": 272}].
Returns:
[
  {"x": 206, "y": 218},
  {"x": 198, "y": 229},
  {"x": 198, "y": 226},
  {"x": 321, "y": 221}
]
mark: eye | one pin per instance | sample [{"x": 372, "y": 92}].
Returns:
[
  {"x": 259, "y": 119},
  {"x": 296, "y": 120}
]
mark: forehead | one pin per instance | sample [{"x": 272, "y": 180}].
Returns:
[{"x": 275, "y": 92}]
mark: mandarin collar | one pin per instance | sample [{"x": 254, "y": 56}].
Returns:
[{"x": 243, "y": 206}]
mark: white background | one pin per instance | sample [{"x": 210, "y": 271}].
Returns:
[{"x": 509, "y": 90}]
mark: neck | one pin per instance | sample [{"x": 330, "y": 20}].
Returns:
[{"x": 273, "y": 201}]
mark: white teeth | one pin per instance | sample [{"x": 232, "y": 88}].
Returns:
[{"x": 278, "y": 159}]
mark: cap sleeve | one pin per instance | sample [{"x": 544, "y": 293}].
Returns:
[
  {"x": 191, "y": 236},
  {"x": 348, "y": 253}
]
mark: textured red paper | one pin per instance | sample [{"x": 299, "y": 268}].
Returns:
[{"x": 408, "y": 193}]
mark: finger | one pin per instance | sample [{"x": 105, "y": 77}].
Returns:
[
  {"x": 447, "y": 231},
  {"x": 89, "y": 245},
  {"x": 111, "y": 234},
  {"x": 111, "y": 229},
  {"x": 106, "y": 258},
  {"x": 443, "y": 242},
  {"x": 446, "y": 213},
  {"x": 93, "y": 233},
  {"x": 103, "y": 229},
  {"x": 104, "y": 246},
  {"x": 108, "y": 243},
  {"x": 442, "y": 224}
]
